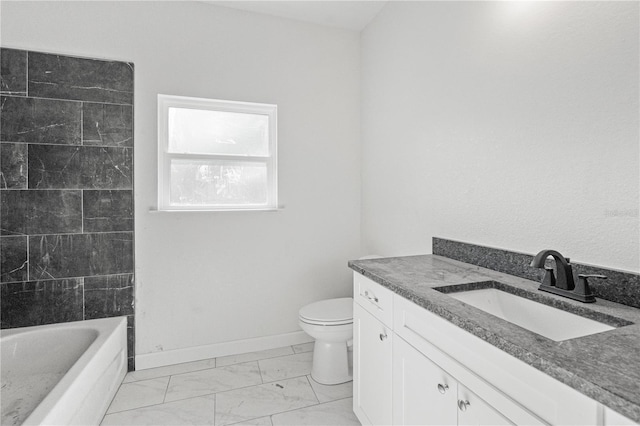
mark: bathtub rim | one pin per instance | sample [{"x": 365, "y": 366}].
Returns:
[{"x": 108, "y": 330}]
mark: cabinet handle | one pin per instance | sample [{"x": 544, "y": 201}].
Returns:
[
  {"x": 383, "y": 336},
  {"x": 374, "y": 298},
  {"x": 443, "y": 388},
  {"x": 462, "y": 405}
]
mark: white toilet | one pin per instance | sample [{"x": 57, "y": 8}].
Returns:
[{"x": 330, "y": 322}]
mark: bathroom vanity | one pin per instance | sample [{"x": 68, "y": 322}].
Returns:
[{"x": 424, "y": 357}]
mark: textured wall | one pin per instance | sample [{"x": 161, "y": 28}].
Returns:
[
  {"x": 66, "y": 187},
  {"x": 507, "y": 124}
]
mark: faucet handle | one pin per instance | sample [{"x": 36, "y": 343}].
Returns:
[
  {"x": 582, "y": 288},
  {"x": 585, "y": 276}
]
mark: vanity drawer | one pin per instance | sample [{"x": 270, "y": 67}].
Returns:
[{"x": 374, "y": 298}]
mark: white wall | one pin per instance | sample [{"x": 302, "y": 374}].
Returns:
[
  {"x": 207, "y": 278},
  {"x": 507, "y": 124}
]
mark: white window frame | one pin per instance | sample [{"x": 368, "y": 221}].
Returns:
[{"x": 164, "y": 156}]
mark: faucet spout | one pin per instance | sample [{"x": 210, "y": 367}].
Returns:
[{"x": 564, "y": 279}]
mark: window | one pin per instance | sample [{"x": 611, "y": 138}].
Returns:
[{"x": 216, "y": 155}]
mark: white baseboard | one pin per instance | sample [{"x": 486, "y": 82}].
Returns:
[{"x": 196, "y": 353}]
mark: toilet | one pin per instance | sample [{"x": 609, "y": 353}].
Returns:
[{"x": 330, "y": 322}]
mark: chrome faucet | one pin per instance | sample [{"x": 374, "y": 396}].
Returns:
[{"x": 563, "y": 284}]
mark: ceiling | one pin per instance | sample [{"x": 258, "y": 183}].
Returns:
[{"x": 350, "y": 15}]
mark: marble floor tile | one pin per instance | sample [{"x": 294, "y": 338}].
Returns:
[
  {"x": 139, "y": 394},
  {"x": 169, "y": 370},
  {"x": 286, "y": 366},
  {"x": 338, "y": 413},
  {"x": 213, "y": 380},
  {"x": 261, "y": 421},
  {"x": 192, "y": 411},
  {"x": 326, "y": 393},
  {"x": 303, "y": 347},
  {"x": 263, "y": 400},
  {"x": 253, "y": 356}
]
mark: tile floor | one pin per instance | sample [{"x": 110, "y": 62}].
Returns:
[{"x": 272, "y": 387}]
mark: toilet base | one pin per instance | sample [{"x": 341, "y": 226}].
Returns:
[{"x": 330, "y": 363}]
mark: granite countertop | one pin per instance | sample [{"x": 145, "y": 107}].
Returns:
[{"x": 603, "y": 366}]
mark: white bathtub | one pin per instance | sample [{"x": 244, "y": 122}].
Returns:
[{"x": 62, "y": 374}]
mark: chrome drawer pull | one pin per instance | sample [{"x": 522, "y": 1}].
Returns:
[
  {"x": 462, "y": 405},
  {"x": 374, "y": 298},
  {"x": 443, "y": 388},
  {"x": 383, "y": 336}
]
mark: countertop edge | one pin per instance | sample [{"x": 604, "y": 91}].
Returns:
[{"x": 541, "y": 363}]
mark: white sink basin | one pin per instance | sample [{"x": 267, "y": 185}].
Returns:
[{"x": 550, "y": 322}]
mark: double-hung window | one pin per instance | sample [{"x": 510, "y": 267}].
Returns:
[{"x": 216, "y": 155}]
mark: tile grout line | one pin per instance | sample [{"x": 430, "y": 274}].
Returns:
[
  {"x": 76, "y": 145},
  {"x": 227, "y": 390},
  {"x": 202, "y": 395},
  {"x": 17, "y": 95},
  {"x": 166, "y": 390},
  {"x": 215, "y": 400},
  {"x": 258, "y": 359},
  {"x": 81, "y": 123},
  {"x": 260, "y": 371},
  {"x": 301, "y": 408},
  {"x": 215, "y": 395},
  {"x": 312, "y": 389},
  {"x": 133, "y": 408},
  {"x": 26, "y": 75},
  {"x": 84, "y": 311},
  {"x": 169, "y": 374},
  {"x": 232, "y": 389},
  {"x": 215, "y": 407},
  {"x": 28, "y": 272},
  {"x": 106, "y": 413},
  {"x": 216, "y": 363},
  {"x": 63, "y": 189},
  {"x": 288, "y": 411}
]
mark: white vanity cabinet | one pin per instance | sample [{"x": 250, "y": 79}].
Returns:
[
  {"x": 372, "y": 352},
  {"x": 473, "y": 411},
  {"x": 612, "y": 418},
  {"x": 372, "y": 349},
  {"x": 519, "y": 392},
  {"x": 424, "y": 394},
  {"x": 413, "y": 367}
]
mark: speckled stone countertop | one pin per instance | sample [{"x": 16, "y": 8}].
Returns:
[{"x": 603, "y": 366}]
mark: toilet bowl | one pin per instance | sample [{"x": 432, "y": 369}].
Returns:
[{"x": 330, "y": 322}]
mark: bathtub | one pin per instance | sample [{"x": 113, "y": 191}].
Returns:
[{"x": 62, "y": 374}]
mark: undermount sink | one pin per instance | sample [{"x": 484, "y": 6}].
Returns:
[{"x": 548, "y": 321}]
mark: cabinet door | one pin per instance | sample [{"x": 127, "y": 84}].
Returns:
[
  {"x": 611, "y": 418},
  {"x": 474, "y": 411},
  {"x": 423, "y": 393},
  {"x": 372, "y": 349}
]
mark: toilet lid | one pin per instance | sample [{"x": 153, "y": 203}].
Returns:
[{"x": 328, "y": 311}]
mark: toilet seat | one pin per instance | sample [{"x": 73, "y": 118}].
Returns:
[
  {"x": 326, "y": 323},
  {"x": 328, "y": 312}
]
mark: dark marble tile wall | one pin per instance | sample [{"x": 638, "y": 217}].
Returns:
[
  {"x": 66, "y": 190},
  {"x": 620, "y": 287}
]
